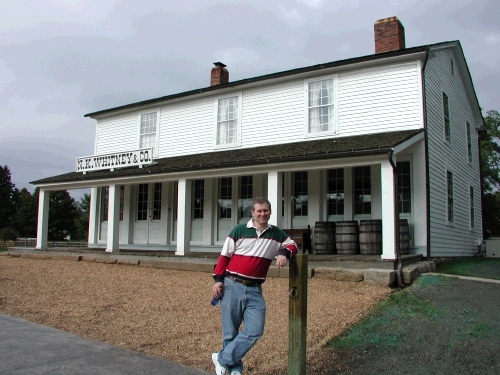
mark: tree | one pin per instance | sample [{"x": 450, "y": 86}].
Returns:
[
  {"x": 62, "y": 215},
  {"x": 7, "y": 207},
  {"x": 490, "y": 152},
  {"x": 24, "y": 219},
  {"x": 82, "y": 219}
]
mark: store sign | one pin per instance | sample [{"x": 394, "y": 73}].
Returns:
[{"x": 137, "y": 158}]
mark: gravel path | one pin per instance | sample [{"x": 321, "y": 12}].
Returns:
[{"x": 167, "y": 313}]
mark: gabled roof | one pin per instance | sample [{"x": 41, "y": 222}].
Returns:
[
  {"x": 267, "y": 77},
  {"x": 332, "y": 148}
]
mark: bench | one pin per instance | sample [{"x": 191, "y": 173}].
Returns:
[{"x": 302, "y": 238}]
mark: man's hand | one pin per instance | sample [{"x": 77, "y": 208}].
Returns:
[
  {"x": 217, "y": 290},
  {"x": 281, "y": 261}
]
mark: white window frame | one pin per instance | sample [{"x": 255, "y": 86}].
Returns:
[
  {"x": 157, "y": 130},
  {"x": 237, "y": 139},
  {"x": 447, "y": 195},
  {"x": 333, "y": 125}
]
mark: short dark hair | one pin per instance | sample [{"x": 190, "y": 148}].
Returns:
[{"x": 260, "y": 200}]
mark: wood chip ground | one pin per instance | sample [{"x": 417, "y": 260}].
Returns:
[{"x": 167, "y": 313}]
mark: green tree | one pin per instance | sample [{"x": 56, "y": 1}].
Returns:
[
  {"x": 7, "y": 207},
  {"x": 490, "y": 152},
  {"x": 62, "y": 215},
  {"x": 82, "y": 219},
  {"x": 24, "y": 219}
]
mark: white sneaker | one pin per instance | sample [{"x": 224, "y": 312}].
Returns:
[
  {"x": 219, "y": 370},
  {"x": 236, "y": 371}
]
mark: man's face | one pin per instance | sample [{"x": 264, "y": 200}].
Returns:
[{"x": 261, "y": 213}]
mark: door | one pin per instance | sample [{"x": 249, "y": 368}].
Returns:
[{"x": 150, "y": 224}]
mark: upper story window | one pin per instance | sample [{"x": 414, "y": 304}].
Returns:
[
  {"x": 320, "y": 104},
  {"x": 469, "y": 143},
  {"x": 228, "y": 121},
  {"x": 148, "y": 130},
  {"x": 446, "y": 118}
]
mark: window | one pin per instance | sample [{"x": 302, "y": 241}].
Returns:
[
  {"x": 471, "y": 206},
  {"x": 157, "y": 201},
  {"x": 362, "y": 191},
  {"x": 446, "y": 116},
  {"x": 105, "y": 203},
  {"x": 142, "y": 202},
  {"x": 452, "y": 68},
  {"x": 225, "y": 196},
  {"x": 227, "y": 121},
  {"x": 469, "y": 143},
  {"x": 148, "y": 130},
  {"x": 335, "y": 193},
  {"x": 404, "y": 187},
  {"x": 198, "y": 198},
  {"x": 320, "y": 106},
  {"x": 122, "y": 201},
  {"x": 300, "y": 194},
  {"x": 245, "y": 199},
  {"x": 449, "y": 180}
]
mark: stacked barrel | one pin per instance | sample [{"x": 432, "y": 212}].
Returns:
[{"x": 349, "y": 237}]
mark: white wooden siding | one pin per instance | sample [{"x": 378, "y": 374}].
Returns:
[
  {"x": 384, "y": 99},
  {"x": 118, "y": 133},
  {"x": 369, "y": 101},
  {"x": 457, "y": 238}
]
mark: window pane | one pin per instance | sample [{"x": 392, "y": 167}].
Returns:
[
  {"x": 198, "y": 198},
  {"x": 320, "y": 105},
  {"x": 157, "y": 201},
  {"x": 362, "y": 190},
  {"x": 450, "y": 196},
  {"x": 404, "y": 187},
  {"x": 335, "y": 193},
  {"x": 148, "y": 130},
  {"x": 246, "y": 194},
  {"x": 227, "y": 120},
  {"x": 142, "y": 202},
  {"x": 300, "y": 194},
  {"x": 225, "y": 196}
]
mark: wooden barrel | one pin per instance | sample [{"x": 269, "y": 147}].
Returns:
[
  {"x": 324, "y": 237},
  {"x": 370, "y": 237},
  {"x": 404, "y": 237},
  {"x": 347, "y": 237}
]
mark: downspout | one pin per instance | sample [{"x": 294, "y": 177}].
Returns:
[
  {"x": 426, "y": 153},
  {"x": 399, "y": 270}
]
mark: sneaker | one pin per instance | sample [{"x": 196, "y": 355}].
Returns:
[
  {"x": 219, "y": 370},
  {"x": 236, "y": 371}
]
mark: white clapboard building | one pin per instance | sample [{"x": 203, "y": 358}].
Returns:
[{"x": 383, "y": 137}]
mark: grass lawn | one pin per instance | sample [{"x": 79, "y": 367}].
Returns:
[{"x": 488, "y": 268}]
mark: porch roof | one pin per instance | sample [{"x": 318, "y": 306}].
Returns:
[{"x": 331, "y": 148}]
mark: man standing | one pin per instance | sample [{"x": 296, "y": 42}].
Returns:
[{"x": 241, "y": 269}]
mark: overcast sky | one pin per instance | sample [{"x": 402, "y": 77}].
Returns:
[{"x": 62, "y": 59}]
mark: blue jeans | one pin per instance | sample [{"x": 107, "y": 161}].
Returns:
[{"x": 239, "y": 304}]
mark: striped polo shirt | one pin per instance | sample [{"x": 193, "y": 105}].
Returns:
[{"x": 247, "y": 253}]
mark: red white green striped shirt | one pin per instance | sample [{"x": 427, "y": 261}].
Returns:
[{"x": 247, "y": 253}]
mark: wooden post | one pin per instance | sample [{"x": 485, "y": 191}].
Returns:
[{"x": 297, "y": 315}]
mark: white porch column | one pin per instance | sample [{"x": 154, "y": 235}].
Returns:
[
  {"x": 113, "y": 239},
  {"x": 42, "y": 230},
  {"x": 388, "y": 207},
  {"x": 93, "y": 219},
  {"x": 274, "y": 186},
  {"x": 183, "y": 217}
]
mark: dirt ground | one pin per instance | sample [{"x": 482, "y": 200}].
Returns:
[
  {"x": 452, "y": 328},
  {"x": 167, "y": 313}
]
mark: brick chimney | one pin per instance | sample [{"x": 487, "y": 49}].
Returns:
[
  {"x": 219, "y": 74},
  {"x": 389, "y": 35}
]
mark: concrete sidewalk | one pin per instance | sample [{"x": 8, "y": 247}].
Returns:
[{"x": 30, "y": 348}]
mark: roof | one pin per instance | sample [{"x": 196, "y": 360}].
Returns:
[
  {"x": 331, "y": 148},
  {"x": 308, "y": 69}
]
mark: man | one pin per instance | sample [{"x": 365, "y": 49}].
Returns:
[{"x": 241, "y": 269}]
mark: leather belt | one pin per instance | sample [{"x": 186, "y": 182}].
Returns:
[{"x": 244, "y": 282}]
